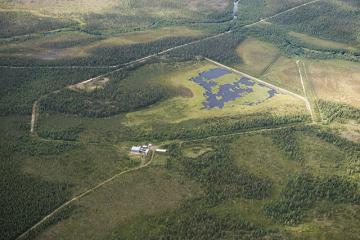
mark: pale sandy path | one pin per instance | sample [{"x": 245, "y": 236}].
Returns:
[{"x": 308, "y": 105}]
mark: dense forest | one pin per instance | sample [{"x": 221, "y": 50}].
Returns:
[
  {"x": 337, "y": 111},
  {"x": 291, "y": 46},
  {"x": 26, "y": 199},
  {"x": 121, "y": 94},
  {"x": 221, "y": 180},
  {"x": 221, "y": 49},
  {"x": 287, "y": 142},
  {"x": 17, "y": 97},
  {"x": 301, "y": 193},
  {"x": 318, "y": 20}
]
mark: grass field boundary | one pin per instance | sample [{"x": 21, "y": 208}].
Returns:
[
  {"x": 85, "y": 193},
  {"x": 269, "y": 66},
  {"x": 316, "y": 100}
]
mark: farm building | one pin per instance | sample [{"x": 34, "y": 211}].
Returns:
[
  {"x": 143, "y": 149},
  {"x": 135, "y": 150}
]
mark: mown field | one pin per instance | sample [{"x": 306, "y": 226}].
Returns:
[{"x": 244, "y": 160}]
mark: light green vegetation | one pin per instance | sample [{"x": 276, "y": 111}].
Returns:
[
  {"x": 329, "y": 221},
  {"x": 335, "y": 80},
  {"x": 284, "y": 73},
  {"x": 181, "y": 108},
  {"x": 262, "y": 157},
  {"x": 196, "y": 151},
  {"x": 256, "y": 56},
  {"x": 319, "y": 43},
  {"x": 322, "y": 158},
  {"x": 264, "y": 60},
  {"x": 149, "y": 191}
]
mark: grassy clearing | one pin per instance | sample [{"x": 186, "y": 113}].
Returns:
[
  {"x": 180, "y": 108},
  {"x": 335, "y": 80},
  {"x": 148, "y": 191},
  {"x": 284, "y": 73},
  {"x": 259, "y": 154},
  {"x": 320, "y": 43},
  {"x": 256, "y": 56},
  {"x": 322, "y": 158}
]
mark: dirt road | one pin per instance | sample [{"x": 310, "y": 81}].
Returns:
[
  {"x": 308, "y": 105},
  {"x": 78, "y": 197}
]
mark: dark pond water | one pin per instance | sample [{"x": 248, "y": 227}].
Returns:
[{"x": 226, "y": 92}]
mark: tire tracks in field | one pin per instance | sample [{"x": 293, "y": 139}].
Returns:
[{"x": 308, "y": 105}]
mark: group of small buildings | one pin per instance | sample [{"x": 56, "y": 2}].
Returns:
[{"x": 145, "y": 149}]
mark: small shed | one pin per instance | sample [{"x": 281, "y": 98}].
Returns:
[{"x": 161, "y": 150}]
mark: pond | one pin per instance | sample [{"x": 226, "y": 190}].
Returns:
[{"x": 218, "y": 94}]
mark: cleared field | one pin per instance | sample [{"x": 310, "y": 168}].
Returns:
[
  {"x": 76, "y": 44},
  {"x": 256, "y": 56},
  {"x": 284, "y": 73},
  {"x": 320, "y": 43},
  {"x": 98, "y": 215},
  {"x": 335, "y": 80},
  {"x": 194, "y": 106}
]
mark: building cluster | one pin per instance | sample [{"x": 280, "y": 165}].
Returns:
[{"x": 145, "y": 149}]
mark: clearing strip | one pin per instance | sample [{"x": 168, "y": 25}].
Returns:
[{"x": 308, "y": 105}]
